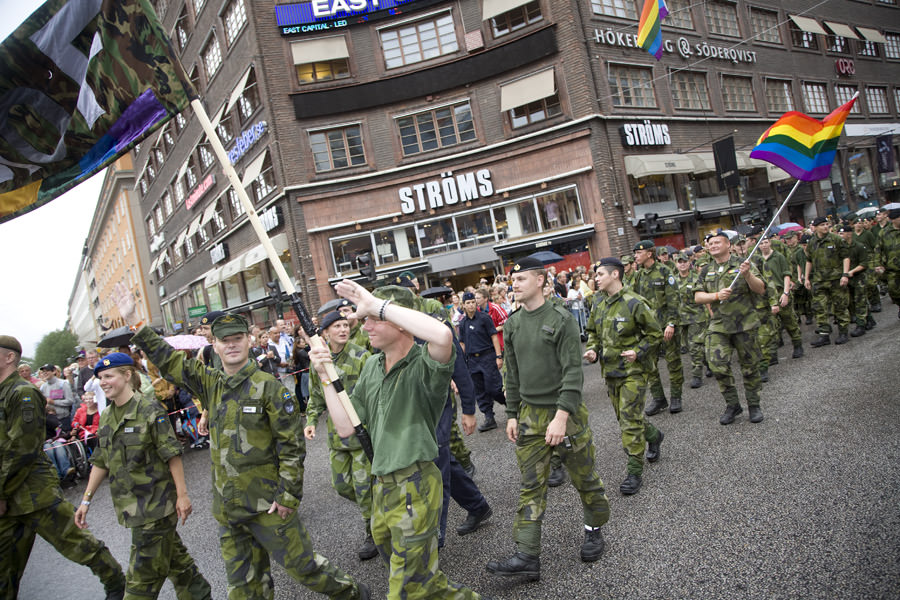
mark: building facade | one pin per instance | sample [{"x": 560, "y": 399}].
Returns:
[{"x": 449, "y": 138}]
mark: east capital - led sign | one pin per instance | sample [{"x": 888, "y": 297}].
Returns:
[{"x": 317, "y": 16}]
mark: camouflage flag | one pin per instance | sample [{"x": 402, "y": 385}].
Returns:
[{"x": 81, "y": 82}]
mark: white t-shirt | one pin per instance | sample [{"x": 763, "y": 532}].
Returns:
[{"x": 93, "y": 385}]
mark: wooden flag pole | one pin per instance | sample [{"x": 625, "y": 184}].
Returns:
[{"x": 286, "y": 283}]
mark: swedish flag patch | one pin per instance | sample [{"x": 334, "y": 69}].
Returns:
[{"x": 162, "y": 420}]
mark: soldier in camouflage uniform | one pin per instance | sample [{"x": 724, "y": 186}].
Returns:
[
  {"x": 888, "y": 258},
  {"x": 656, "y": 283},
  {"x": 138, "y": 449},
  {"x": 858, "y": 271},
  {"x": 544, "y": 411},
  {"x": 732, "y": 324},
  {"x": 777, "y": 272},
  {"x": 31, "y": 502},
  {"x": 351, "y": 471},
  {"x": 864, "y": 235},
  {"x": 692, "y": 317},
  {"x": 827, "y": 262},
  {"x": 257, "y": 457},
  {"x": 628, "y": 261},
  {"x": 624, "y": 335},
  {"x": 796, "y": 255}
]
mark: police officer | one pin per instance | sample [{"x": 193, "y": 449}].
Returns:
[
  {"x": 481, "y": 343},
  {"x": 624, "y": 335},
  {"x": 351, "y": 471},
  {"x": 545, "y": 410},
  {"x": 827, "y": 263},
  {"x": 257, "y": 461},
  {"x": 889, "y": 255},
  {"x": 31, "y": 501},
  {"x": 138, "y": 449}
]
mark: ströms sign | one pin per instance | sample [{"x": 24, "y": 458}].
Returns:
[{"x": 448, "y": 190}]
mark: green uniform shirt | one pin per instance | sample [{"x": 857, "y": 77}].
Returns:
[
  {"x": 401, "y": 408},
  {"x": 135, "y": 443},
  {"x": 827, "y": 256},
  {"x": 858, "y": 256},
  {"x": 738, "y": 313},
  {"x": 257, "y": 446},
  {"x": 623, "y": 322},
  {"x": 689, "y": 312},
  {"x": 657, "y": 286},
  {"x": 28, "y": 480},
  {"x": 543, "y": 359},
  {"x": 889, "y": 248},
  {"x": 774, "y": 269},
  {"x": 348, "y": 363}
]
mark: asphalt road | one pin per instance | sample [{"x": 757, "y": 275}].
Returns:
[{"x": 803, "y": 505}]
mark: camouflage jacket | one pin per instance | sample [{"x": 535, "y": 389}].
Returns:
[
  {"x": 348, "y": 363},
  {"x": 135, "y": 444},
  {"x": 827, "y": 257},
  {"x": 689, "y": 312},
  {"x": 738, "y": 313},
  {"x": 257, "y": 446},
  {"x": 889, "y": 248},
  {"x": 657, "y": 286},
  {"x": 28, "y": 480},
  {"x": 623, "y": 322}
]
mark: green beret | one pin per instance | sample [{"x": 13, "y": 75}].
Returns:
[
  {"x": 644, "y": 245},
  {"x": 401, "y": 296},
  {"x": 229, "y": 325},
  {"x": 10, "y": 343}
]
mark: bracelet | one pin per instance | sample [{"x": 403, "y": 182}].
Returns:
[
  {"x": 137, "y": 325},
  {"x": 847, "y": 275},
  {"x": 326, "y": 382},
  {"x": 717, "y": 295},
  {"x": 85, "y": 502},
  {"x": 381, "y": 310}
]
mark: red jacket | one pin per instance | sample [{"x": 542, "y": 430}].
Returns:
[{"x": 81, "y": 417}]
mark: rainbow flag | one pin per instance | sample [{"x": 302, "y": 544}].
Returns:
[
  {"x": 801, "y": 145},
  {"x": 649, "y": 32}
]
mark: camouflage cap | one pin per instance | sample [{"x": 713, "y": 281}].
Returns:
[
  {"x": 229, "y": 325},
  {"x": 401, "y": 296},
  {"x": 627, "y": 259},
  {"x": 113, "y": 359},
  {"x": 644, "y": 245},
  {"x": 10, "y": 343},
  {"x": 662, "y": 250},
  {"x": 789, "y": 234},
  {"x": 682, "y": 256}
]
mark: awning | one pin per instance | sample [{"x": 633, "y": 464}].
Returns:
[
  {"x": 873, "y": 35},
  {"x": 212, "y": 277},
  {"x": 238, "y": 90},
  {"x": 153, "y": 265},
  {"x": 181, "y": 238},
  {"x": 257, "y": 254},
  {"x": 492, "y": 8},
  {"x": 704, "y": 162},
  {"x": 319, "y": 50},
  {"x": 658, "y": 164},
  {"x": 775, "y": 173},
  {"x": 209, "y": 212},
  {"x": 195, "y": 225},
  {"x": 253, "y": 169},
  {"x": 232, "y": 268},
  {"x": 871, "y": 129},
  {"x": 807, "y": 24},
  {"x": 558, "y": 236},
  {"x": 215, "y": 120},
  {"x": 841, "y": 30},
  {"x": 744, "y": 162},
  {"x": 528, "y": 89}
]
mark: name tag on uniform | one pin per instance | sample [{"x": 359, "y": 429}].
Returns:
[
  {"x": 620, "y": 319},
  {"x": 547, "y": 329},
  {"x": 129, "y": 430},
  {"x": 721, "y": 269},
  {"x": 251, "y": 409}
]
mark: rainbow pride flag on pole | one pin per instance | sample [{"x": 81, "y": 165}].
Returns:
[
  {"x": 649, "y": 27},
  {"x": 801, "y": 145}
]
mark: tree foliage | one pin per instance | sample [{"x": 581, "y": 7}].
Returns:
[{"x": 56, "y": 348}]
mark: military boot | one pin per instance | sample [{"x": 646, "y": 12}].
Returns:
[
  {"x": 474, "y": 521},
  {"x": 676, "y": 405},
  {"x": 870, "y": 323},
  {"x": 858, "y": 331},
  {"x": 841, "y": 338},
  {"x": 875, "y": 307},
  {"x": 368, "y": 549},
  {"x": 696, "y": 382},
  {"x": 364, "y": 593},
  {"x": 798, "y": 351},
  {"x": 593, "y": 546},
  {"x": 631, "y": 485},
  {"x": 517, "y": 564},
  {"x": 756, "y": 415},
  {"x": 652, "y": 454},
  {"x": 823, "y": 340},
  {"x": 656, "y": 405},
  {"x": 557, "y": 477},
  {"x": 731, "y": 411},
  {"x": 764, "y": 375}
]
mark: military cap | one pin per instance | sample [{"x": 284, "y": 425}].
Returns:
[
  {"x": 401, "y": 296},
  {"x": 754, "y": 232},
  {"x": 403, "y": 280},
  {"x": 229, "y": 325},
  {"x": 718, "y": 233},
  {"x": 709, "y": 236},
  {"x": 528, "y": 264},
  {"x": 662, "y": 250},
  {"x": 627, "y": 259},
  {"x": 894, "y": 213},
  {"x": 113, "y": 359},
  {"x": 687, "y": 252},
  {"x": 331, "y": 318},
  {"x": 468, "y": 296},
  {"x": 698, "y": 248},
  {"x": 344, "y": 302},
  {"x": 48, "y": 367},
  {"x": 644, "y": 245},
  {"x": 846, "y": 228},
  {"x": 788, "y": 234},
  {"x": 818, "y": 221},
  {"x": 610, "y": 261},
  {"x": 211, "y": 316},
  {"x": 10, "y": 343},
  {"x": 804, "y": 239},
  {"x": 682, "y": 256}
]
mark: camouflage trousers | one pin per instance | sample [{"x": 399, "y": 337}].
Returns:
[
  {"x": 802, "y": 301},
  {"x": 719, "y": 348},
  {"x": 157, "y": 552},
  {"x": 533, "y": 455},
  {"x": 770, "y": 332},
  {"x": 859, "y": 300},
  {"x": 830, "y": 300},
  {"x": 672, "y": 350},
  {"x": 872, "y": 291},
  {"x": 351, "y": 478},
  {"x": 56, "y": 524},
  {"x": 247, "y": 545},
  {"x": 695, "y": 334},
  {"x": 892, "y": 278},
  {"x": 627, "y": 397},
  {"x": 405, "y": 518}
]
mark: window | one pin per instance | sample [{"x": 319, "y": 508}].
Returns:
[
  {"x": 151, "y": 168},
  {"x": 876, "y": 100},
  {"x": 843, "y": 93},
  {"x": 869, "y": 48},
  {"x": 779, "y": 96},
  {"x": 217, "y": 221},
  {"x": 559, "y": 209},
  {"x": 801, "y": 38},
  {"x": 897, "y": 98},
  {"x": 159, "y": 215},
  {"x": 151, "y": 226},
  {"x": 264, "y": 183},
  {"x": 737, "y": 92},
  {"x": 182, "y": 30},
  {"x": 396, "y": 244},
  {"x": 344, "y": 251},
  {"x": 837, "y": 44},
  {"x": 198, "y": 6},
  {"x": 235, "y": 19},
  {"x": 188, "y": 246},
  {"x": 248, "y": 101},
  {"x": 167, "y": 203},
  {"x": 516, "y": 19},
  {"x": 177, "y": 252},
  {"x": 212, "y": 57},
  {"x": 191, "y": 172},
  {"x": 226, "y": 128},
  {"x": 327, "y": 70},
  {"x": 438, "y": 128},
  {"x": 437, "y": 236},
  {"x": 517, "y": 219},
  {"x": 679, "y": 14},
  {"x": 194, "y": 77},
  {"x": 533, "y": 112},
  {"x": 237, "y": 207},
  {"x": 815, "y": 97},
  {"x": 337, "y": 148},
  {"x": 160, "y": 7},
  {"x": 764, "y": 24},
  {"x": 178, "y": 188},
  {"x": 689, "y": 90},
  {"x": 322, "y": 59},
  {"x": 615, "y": 8},
  {"x": 721, "y": 18},
  {"x": 180, "y": 122},
  {"x": 892, "y": 45},
  {"x": 475, "y": 228},
  {"x": 159, "y": 157},
  {"x": 419, "y": 41},
  {"x": 168, "y": 140},
  {"x": 631, "y": 86},
  {"x": 531, "y": 98},
  {"x": 206, "y": 156}
]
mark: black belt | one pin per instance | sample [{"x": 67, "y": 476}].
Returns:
[{"x": 483, "y": 353}]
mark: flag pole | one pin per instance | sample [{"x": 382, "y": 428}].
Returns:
[{"x": 286, "y": 284}]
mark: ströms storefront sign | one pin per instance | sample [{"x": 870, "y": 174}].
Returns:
[
  {"x": 645, "y": 134},
  {"x": 449, "y": 190}
]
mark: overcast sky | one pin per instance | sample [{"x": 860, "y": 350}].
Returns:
[{"x": 41, "y": 250}]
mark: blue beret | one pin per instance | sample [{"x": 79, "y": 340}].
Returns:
[
  {"x": 610, "y": 261},
  {"x": 329, "y": 319},
  {"x": 403, "y": 280},
  {"x": 113, "y": 359},
  {"x": 211, "y": 316},
  {"x": 468, "y": 296}
]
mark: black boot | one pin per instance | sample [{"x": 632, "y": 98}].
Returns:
[
  {"x": 731, "y": 411},
  {"x": 696, "y": 382},
  {"x": 557, "y": 477},
  {"x": 773, "y": 360},
  {"x": 875, "y": 307},
  {"x": 593, "y": 546},
  {"x": 798, "y": 351},
  {"x": 676, "y": 405},
  {"x": 631, "y": 485},
  {"x": 656, "y": 405},
  {"x": 755, "y": 414},
  {"x": 474, "y": 521},
  {"x": 368, "y": 549},
  {"x": 809, "y": 320},
  {"x": 823, "y": 340},
  {"x": 652, "y": 454},
  {"x": 517, "y": 564},
  {"x": 858, "y": 331},
  {"x": 841, "y": 338},
  {"x": 764, "y": 375},
  {"x": 488, "y": 424},
  {"x": 708, "y": 372}
]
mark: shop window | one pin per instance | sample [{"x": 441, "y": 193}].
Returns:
[
  {"x": 207, "y": 159},
  {"x": 764, "y": 25},
  {"x": 235, "y": 17},
  {"x": 212, "y": 56},
  {"x": 801, "y": 38},
  {"x": 167, "y": 203},
  {"x": 248, "y": 101},
  {"x": 182, "y": 30},
  {"x": 843, "y": 93},
  {"x": 737, "y": 92},
  {"x": 438, "y": 128},
  {"x": 861, "y": 178},
  {"x": 475, "y": 228},
  {"x": 654, "y": 189},
  {"x": 419, "y": 41},
  {"x": 337, "y": 148},
  {"x": 232, "y": 287},
  {"x": 254, "y": 282},
  {"x": 631, "y": 86},
  {"x": 779, "y": 95},
  {"x": 396, "y": 245},
  {"x": 437, "y": 236},
  {"x": 226, "y": 128},
  {"x": 345, "y": 251},
  {"x": 515, "y": 220},
  {"x": 615, "y": 8},
  {"x": 721, "y": 18},
  {"x": 215, "y": 297},
  {"x": 264, "y": 184},
  {"x": 536, "y": 111},
  {"x": 679, "y": 14},
  {"x": 876, "y": 100},
  {"x": 689, "y": 90},
  {"x": 892, "y": 45},
  {"x": 237, "y": 207},
  {"x": 559, "y": 209},
  {"x": 516, "y": 19},
  {"x": 815, "y": 97}
]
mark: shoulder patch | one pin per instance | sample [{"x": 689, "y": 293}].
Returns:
[
  {"x": 162, "y": 419},
  {"x": 671, "y": 280}
]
